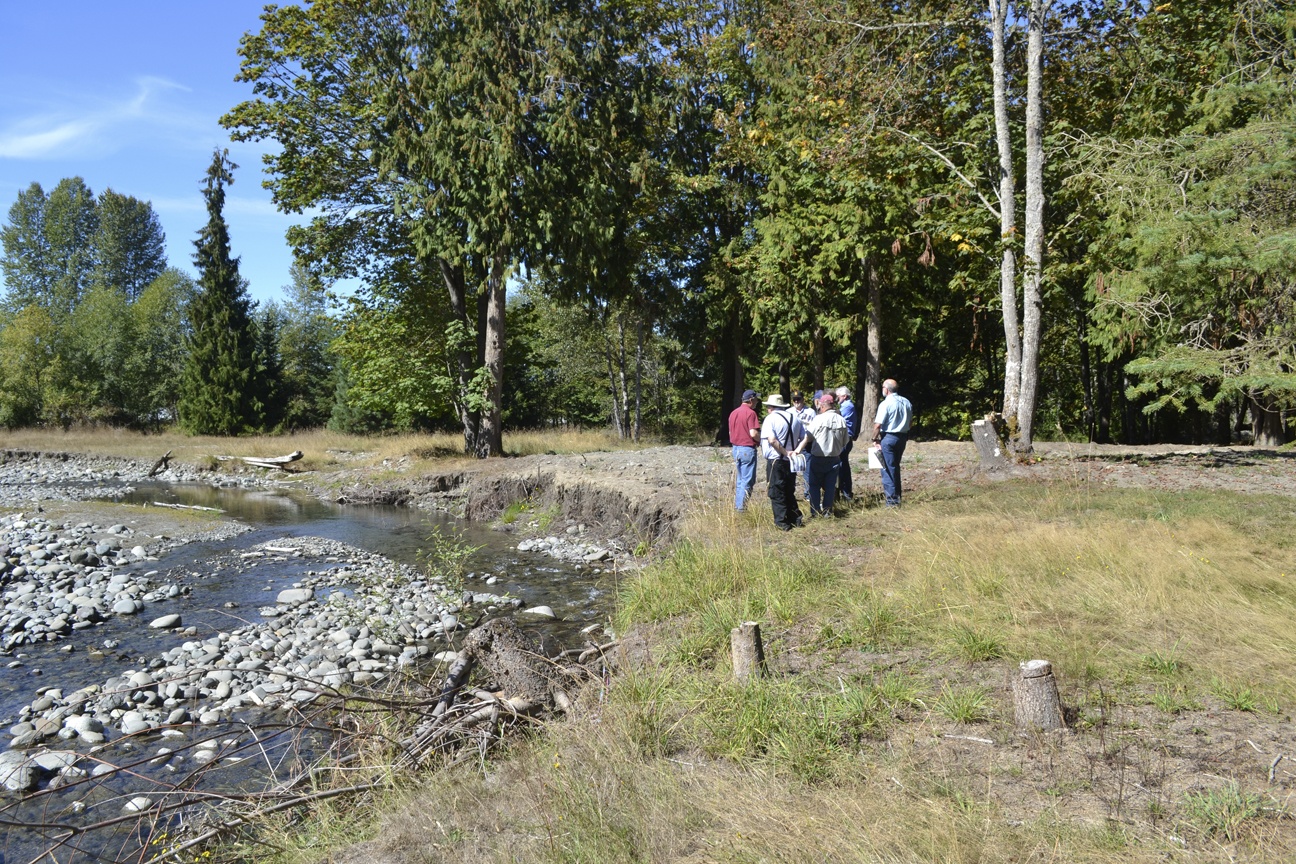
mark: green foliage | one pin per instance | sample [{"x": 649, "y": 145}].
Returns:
[
  {"x": 1225, "y": 812},
  {"x": 445, "y": 554},
  {"x": 975, "y": 644},
  {"x": 306, "y": 351},
  {"x": 789, "y": 727},
  {"x": 1236, "y": 697},
  {"x": 83, "y": 263},
  {"x": 221, "y": 384},
  {"x": 129, "y": 244},
  {"x": 963, "y": 704}
]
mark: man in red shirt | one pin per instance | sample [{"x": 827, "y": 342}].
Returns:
[{"x": 744, "y": 435}]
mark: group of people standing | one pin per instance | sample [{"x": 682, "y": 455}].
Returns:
[{"x": 815, "y": 441}]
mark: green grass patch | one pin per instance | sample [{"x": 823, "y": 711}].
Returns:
[{"x": 1225, "y": 812}]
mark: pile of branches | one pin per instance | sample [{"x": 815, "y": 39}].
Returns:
[{"x": 499, "y": 683}]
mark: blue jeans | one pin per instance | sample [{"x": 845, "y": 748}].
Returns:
[
  {"x": 893, "y": 447},
  {"x": 821, "y": 475},
  {"x": 745, "y": 459}
]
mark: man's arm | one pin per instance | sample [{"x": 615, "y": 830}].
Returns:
[
  {"x": 774, "y": 441},
  {"x": 877, "y": 432}
]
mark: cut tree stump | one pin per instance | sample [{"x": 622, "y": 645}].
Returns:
[
  {"x": 747, "y": 650},
  {"x": 1036, "y": 704},
  {"x": 987, "y": 434}
]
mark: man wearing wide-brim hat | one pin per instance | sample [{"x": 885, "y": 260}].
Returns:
[{"x": 780, "y": 434}]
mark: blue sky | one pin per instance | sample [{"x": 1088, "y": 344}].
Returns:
[{"x": 127, "y": 94}]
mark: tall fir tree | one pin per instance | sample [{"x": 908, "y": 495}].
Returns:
[{"x": 220, "y": 390}]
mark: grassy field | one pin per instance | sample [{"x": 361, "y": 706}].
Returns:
[
  {"x": 884, "y": 730},
  {"x": 322, "y": 449}
]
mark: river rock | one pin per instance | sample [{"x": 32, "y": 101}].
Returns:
[
  {"x": 133, "y": 722},
  {"x": 166, "y": 622},
  {"x": 137, "y": 805},
  {"x": 540, "y": 612},
  {"x": 56, "y": 760},
  {"x": 17, "y": 771},
  {"x": 125, "y": 607},
  {"x": 295, "y": 596}
]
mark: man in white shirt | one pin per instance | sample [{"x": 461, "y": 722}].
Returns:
[
  {"x": 826, "y": 437},
  {"x": 891, "y": 432},
  {"x": 780, "y": 433}
]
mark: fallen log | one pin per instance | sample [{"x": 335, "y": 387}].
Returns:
[
  {"x": 273, "y": 462},
  {"x": 187, "y": 507}
]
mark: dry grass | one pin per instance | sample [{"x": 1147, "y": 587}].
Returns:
[
  {"x": 888, "y": 633},
  {"x": 323, "y": 449}
]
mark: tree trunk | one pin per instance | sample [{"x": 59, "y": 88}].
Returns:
[
  {"x": 621, "y": 374},
  {"x": 491, "y": 442},
  {"x": 867, "y": 400},
  {"x": 731, "y": 375},
  {"x": 1032, "y": 300},
  {"x": 818, "y": 347},
  {"x": 785, "y": 380},
  {"x": 638, "y": 396},
  {"x": 464, "y": 366},
  {"x": 1036, "y": 702},
  {"x": 1266, "y": 425},
  {"x": 987, "y": 434},
  {"x": 1104, "y": 408},
  {"x": 1086, "y": 370},
  {"x": 1007, "y": 210},
  {"x": 617, "y": 426}
]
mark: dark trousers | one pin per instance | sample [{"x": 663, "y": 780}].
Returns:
[
  {"x": 893, "y": 447},
  {"x": 782, "y": 492},
  {"x": 844, "y": 482}
]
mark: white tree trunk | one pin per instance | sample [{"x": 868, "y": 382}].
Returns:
[
  {"x": 1032, "y": 300},
  {"x": 867, "y": 402},
  {"x": 1007, "y": 210},
  {"x": 491, "y": 442}
]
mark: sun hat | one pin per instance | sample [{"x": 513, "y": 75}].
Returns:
[{"x": 775, "y": 400}]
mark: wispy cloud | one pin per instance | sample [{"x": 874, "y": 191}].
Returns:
[{"x": 99, "y": 128}]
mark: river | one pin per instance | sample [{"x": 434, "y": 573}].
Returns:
[{"x": 217, "y": 600}]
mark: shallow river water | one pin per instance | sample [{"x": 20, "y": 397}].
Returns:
[{"x": 229, "y": 599}]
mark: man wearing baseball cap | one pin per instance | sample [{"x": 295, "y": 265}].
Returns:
[{"x": 744, "y": 435}]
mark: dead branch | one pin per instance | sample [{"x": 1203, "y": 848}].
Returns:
[{"x": 160, "y": 465}]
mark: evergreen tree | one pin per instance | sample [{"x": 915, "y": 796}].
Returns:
[
  {"x": 309, "y": 364},
  {"x": 220, "y": 388},
  {"x": 268, "y": 325}
]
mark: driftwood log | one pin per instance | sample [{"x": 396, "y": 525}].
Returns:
[
  {"x": 748, "y": 651},
  {"x": 279, "y": 462},
  {"x": 1036, "y": 704},
  {"x": 160, "y": 465},
  {"x": 522, "y": 683}
]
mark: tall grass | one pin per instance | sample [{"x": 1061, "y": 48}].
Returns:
[{"x": 870, "y": 621}]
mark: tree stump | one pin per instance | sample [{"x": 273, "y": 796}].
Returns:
[
  {"x": 988, "y": 437},
  {"x": 1036, "y": 704},
  {"x": 747, "y": 650}
]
